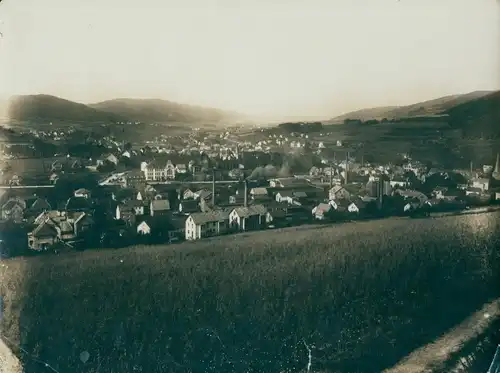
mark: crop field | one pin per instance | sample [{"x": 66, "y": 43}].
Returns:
[{"x": 357, "y": 296}]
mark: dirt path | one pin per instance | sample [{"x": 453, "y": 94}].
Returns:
[
  {"x": 421, "y": 360},
  {"x": 8, "y": 362}
]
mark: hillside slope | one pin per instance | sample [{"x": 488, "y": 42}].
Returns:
[
  {"x": 162, "y": 111},
  {"x": 479, "y": 116},
  {"x": 54, "y": 109},
  {"x": 365, "y": 114},
  {"x": 429, "y": 107}
]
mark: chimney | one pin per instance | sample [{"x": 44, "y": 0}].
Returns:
[
  {"x": 346, "y": 168},
  {"x": 497, "y": 164},
  {"x": 331, "y": 176},
  {"x": 245, "y": 196},
  {"x": 213, "y": 187}
]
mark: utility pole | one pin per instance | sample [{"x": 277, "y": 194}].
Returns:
[{"x": 213, "y": 187}]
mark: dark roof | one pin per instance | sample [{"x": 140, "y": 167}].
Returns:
[
  {"x": 251, "y": 210},
  {"x": 77, "y": 203},
  {"x": 211, "y": 216},
  {"x": 190, "y": 205},
  {"x": 160, "y": 205}
]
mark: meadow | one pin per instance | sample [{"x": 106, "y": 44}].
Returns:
[{"x": 355, "y": 297}]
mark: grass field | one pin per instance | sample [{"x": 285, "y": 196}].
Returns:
[{"x": 360, "y": 296}]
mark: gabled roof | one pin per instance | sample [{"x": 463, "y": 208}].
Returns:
[
  {"x": 359, "y": 203},
  {"x": 258, "y": 190},
  {"x": 44, "y": 229},
  {"x": 160, "y": 205},
  {"x": 336, "y": 188},
  {"x": 40, "y": 203},
  {"x": 211, "y": 216},
  {"x": 324, "y": 207},
  {"x": 244, "y": 212},
  {"x": 11, "y": 203},
  {"x": 131, "y": 204},
  {"x": 77, "y": 203}
]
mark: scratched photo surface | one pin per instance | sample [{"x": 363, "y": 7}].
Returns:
[{"x": 249, "y": 186}]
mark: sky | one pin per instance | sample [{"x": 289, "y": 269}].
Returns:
[{"x": 293, "y": 58}]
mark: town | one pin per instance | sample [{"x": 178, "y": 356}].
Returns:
[{"x": 207, "y": 184}]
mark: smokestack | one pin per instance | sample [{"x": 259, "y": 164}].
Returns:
[
  {"x": 331, "y": 176},
  {"x": 213, "y": 187},
  {"x": 346, "y": 168},
  {"x": 245, "y": 196}
]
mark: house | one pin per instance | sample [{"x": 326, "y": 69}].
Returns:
[
  {"x": 203, "y": 194},
  {"x": 176, "y": 228},
  {"x": 411, "y": 206},
  {"x": 338, "y": 192},
  {"x": 82, "y": 192},
  {"x": 206, "y": 224},
  {"x": 481, "y": 183},
  {"x": 78, "y": 204},
  {"x": 188, "y": 194},
  {"x": 111, "y": 158},
  {"x": 323, "y": 210},
  {"x": 53, "y": 178},
  {"x": 248, "y": 218},
  {"x": 159, "y": 207},
  {"x": 476, "y": 192},
  {"x": 35, "y": 207},
  {"x": 314, "y": 171},
  {"x": 181, "y": 168},
  {"x": 258, "y": 192},
  {"x": 134, "y": 178},
  {"x": 357, "y": 206},
  {"x": 285, "y": 196},
  {"x": 189, "y": 206},
  {"x": 288, "y": 182},
  {"x": 13, "y": 210},
  {"x": 411, "y": 194},
  {"x": 56, "y": 226},
  {"x": 399, "y": 182},
  {"x": 129, "y": 207},
  {"x": 143, "y": 228},
  {"x": 43, "y": 236},
  {"x": 276, "y": 218}
]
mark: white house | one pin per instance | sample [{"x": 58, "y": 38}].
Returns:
[
  {"x": 247, "y": 218},
  {"x": 284, "y": 196},
  {"x": 82, "y": 192},
  {"x": 338, "y": 192},
  {"x": 206, "y": 224},
  {"x": 143, "y": 228},
  {"x": 481, "y": 183},
  {"x": 356, "y": 206}
]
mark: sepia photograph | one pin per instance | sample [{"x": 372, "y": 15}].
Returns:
[{"x": 250, "y": 186}]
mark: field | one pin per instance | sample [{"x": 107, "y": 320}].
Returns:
[{"x": 359, "y": 296}]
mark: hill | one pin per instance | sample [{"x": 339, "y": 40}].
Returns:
[
  {"x": 162, "y": 111},
  {"x": 54, "y": 109},
  {"x": 429, "y": 107},
  {"x": 479, "y": 117},
  {"x": 365, "y": 114}
]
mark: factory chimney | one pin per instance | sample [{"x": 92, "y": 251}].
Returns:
[
  {"x": 213, "y": 187},
  {"x": 245, "y": 195}
]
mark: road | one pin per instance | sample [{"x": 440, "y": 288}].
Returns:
[{"x": 422, "y": 360}]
